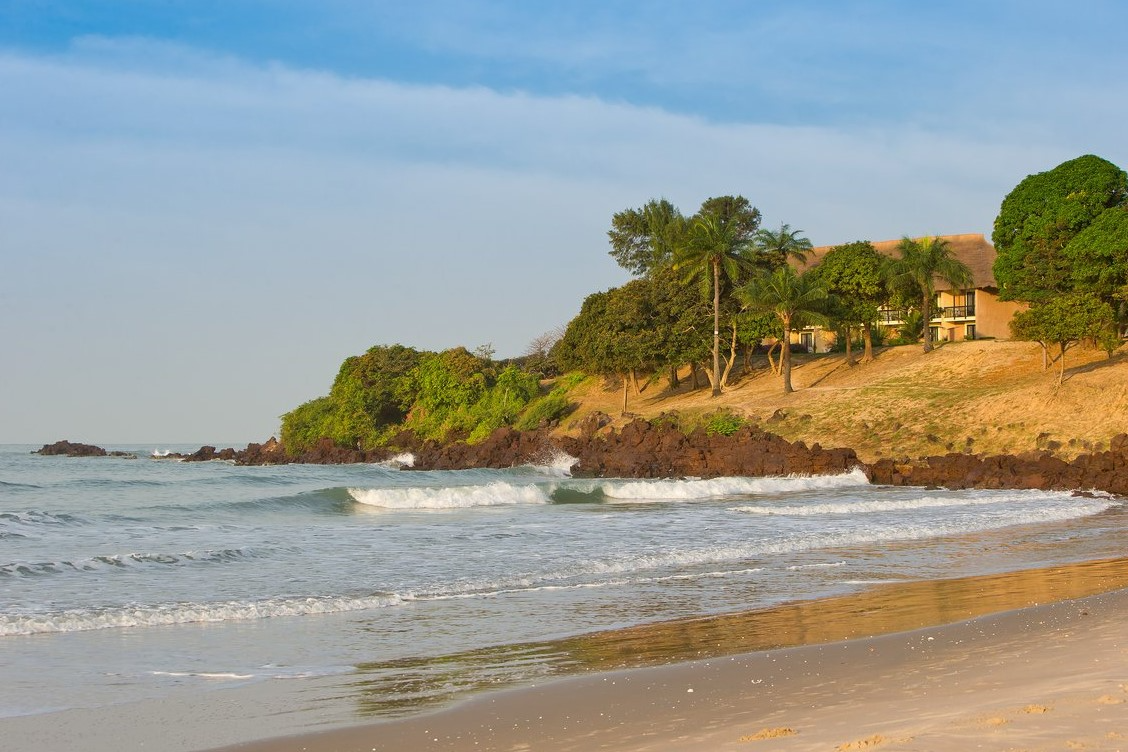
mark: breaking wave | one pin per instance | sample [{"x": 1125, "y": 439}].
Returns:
[
  {"x": 498, "y": 493},
  {"x": 691, "y": 489},
  {"x": 86, "y": 619}
]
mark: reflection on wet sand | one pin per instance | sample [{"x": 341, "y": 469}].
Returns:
[{"x": 397, "y": 687}]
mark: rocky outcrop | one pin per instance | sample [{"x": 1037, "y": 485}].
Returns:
[
  {"x": 641, "y": 450},
  {"x": 1102, "y": 471},
  {"x": 644, "y": 450},
  {"x": 70, "y": 449}
]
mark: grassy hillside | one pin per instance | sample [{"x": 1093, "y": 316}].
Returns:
[{"x": 983, "y": 396}]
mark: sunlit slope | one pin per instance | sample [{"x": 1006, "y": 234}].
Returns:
[{"x": 983, "y": 396}]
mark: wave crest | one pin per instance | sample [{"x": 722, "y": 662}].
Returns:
[
  {"x": 82, "y": 620},
  {"x": 688, "y": 490},
  {"x": 498, "y": 493}
]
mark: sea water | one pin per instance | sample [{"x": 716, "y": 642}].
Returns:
[{"x": 356, "y": 592}]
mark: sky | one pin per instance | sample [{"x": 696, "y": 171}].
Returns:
[{"x": 206, "y": 205}]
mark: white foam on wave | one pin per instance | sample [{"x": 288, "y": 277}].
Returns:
[
  {"x": 877, "y": 506},
  {"x": 406, "y": 459},
  {"x": 83, "y": 620},
  {"x": 688, "y": 490},
  {"x": 228, "y": 675},
  {"x": 498, "y": 493},
  {"x": 558, "y": 464}
]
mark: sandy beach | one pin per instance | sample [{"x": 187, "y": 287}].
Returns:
[{"x": 1051, "y": 675}]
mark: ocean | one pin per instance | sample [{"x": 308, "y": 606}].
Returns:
[{"x": 320, "y": 596}]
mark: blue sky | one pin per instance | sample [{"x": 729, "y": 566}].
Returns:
[{"x": 205, "y": 206}]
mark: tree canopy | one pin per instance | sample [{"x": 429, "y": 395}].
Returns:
[
  {"x": 646, "y": 239},
  {"x": 855, "y": 275},
  {"x": 1040, "y": 218},
  {"x": 717, "y": 250}
]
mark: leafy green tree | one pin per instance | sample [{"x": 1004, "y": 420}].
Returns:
[
  {"x": 1042, "y": 216},
  {"x": 1064, "y": 321},
  {"x": 646, "y": 239},
  {"x": 614, "y": 334},
  {"x": 777, "y": 248},
  {"x": 922, "y": 262},
  {"x": 716, "y": 249},
  {"x": 796, "y": 300},
  {"x": 855, "y": 274},
  {"x": 1098, "y": 255}
]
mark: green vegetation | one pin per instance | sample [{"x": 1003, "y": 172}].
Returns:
[
  {"x": 724, "y": 423},
  {"x": 855, "y": 274},
  {"x": 451, "y": 394},
  {"x": 1042, "y": 217}
]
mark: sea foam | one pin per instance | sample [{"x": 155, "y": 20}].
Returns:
[
  {"x": 498, "y": 493},
  {"x": 82, "y": 620},
  {"x": 691, "y": 489}
]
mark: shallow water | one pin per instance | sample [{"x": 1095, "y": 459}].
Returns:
[{"x": 389, "y": 590}]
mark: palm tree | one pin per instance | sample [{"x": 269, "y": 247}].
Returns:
[
  {"x": 714, "y": 247},
  {"x": 780, "y": 246},
  {"x": 796, "y": 299},
  {"x": 923, "y": 262}
]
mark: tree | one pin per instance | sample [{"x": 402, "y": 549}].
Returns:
[
  {"x": 646, "y": 239},
  {"x": 796, "y": 300},
  {"x": 614, "y": 334},
  {"x": 777, "y": 248},
  {"x": 1040, "y": 218},
  {"x": 922, "y": 262},
  {"x": 717, "y": 245},
  {"x": 1063, "y": 321},
  {"x": 855, "y": 274},
  {"x": 1098, "y": 255}
]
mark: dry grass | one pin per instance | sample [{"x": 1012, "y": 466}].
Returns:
[{"x": 985, "y": 396}]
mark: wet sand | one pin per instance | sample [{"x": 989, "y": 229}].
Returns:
[{"x": 1033, "y": 660}]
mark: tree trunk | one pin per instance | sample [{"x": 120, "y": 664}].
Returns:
[
  {"x": 716, "y": 375},
  {"x": 731, "y": 358},
  {"x": 693, "y": 374},
  {"x": 926, "y": 314},
  {"x": 772, "y": 363},
  {"x": 634, "y": 382},
  {"x": 1061, "y": 373},
  {"x": 785, "y": 357},
  {"x": 849, "y": 345},
  {"x": 867, "y": 339},
  {"x": 626, "y": 383},
  {"x": 674, "y": 382}
]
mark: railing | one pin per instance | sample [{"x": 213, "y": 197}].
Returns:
[
  {"x": 896, "y": 316},
  {"x": 955, "y": 312}
]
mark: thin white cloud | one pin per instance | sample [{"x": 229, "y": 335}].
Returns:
[{"x": 227, "y": 232}]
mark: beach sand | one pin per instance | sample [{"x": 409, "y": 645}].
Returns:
[{"x": 1051, "y": 676}]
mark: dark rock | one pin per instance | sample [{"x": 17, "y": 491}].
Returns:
[{"x": 68, "y": 449}]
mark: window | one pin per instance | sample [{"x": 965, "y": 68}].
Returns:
[{"x": 970, "y": 334}]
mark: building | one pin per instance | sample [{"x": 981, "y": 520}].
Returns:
[{"x": 957, "y": 314}]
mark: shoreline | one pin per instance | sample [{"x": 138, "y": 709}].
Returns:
[{"x": 1013, "y": 657}]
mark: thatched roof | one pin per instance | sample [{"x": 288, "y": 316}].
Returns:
[{"x": 971, "y": 248}]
